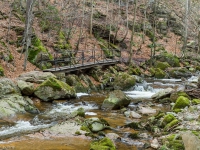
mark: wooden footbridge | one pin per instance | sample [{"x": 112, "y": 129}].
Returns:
[{"x": 81, "y": 60}]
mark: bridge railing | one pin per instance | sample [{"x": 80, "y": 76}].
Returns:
[{"x": 71, "y": 58}]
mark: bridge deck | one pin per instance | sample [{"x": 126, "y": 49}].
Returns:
[{"x": 75, "y": 67}]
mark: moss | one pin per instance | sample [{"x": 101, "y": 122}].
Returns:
[
  {"x": 159, "y": 73},
  {"x": 77, "y": 133},
  {"x": 181, "y": 103},
  {"x": 174, "y": 96},
  {"x": 85, "y": 128},
  {"x": 1, "y": 71},
  {"x": 134, "y": 71},
  {"x": 102, "y": 144},
  {"x": 196, "y": 101},
  {"x": 55, "y": 84},
  {"x": 171, "y": 124},
  {"x": 79, "y": 112},
  {"x": 162, "y": 65},
  {"x": 152, "y": 71},
  {"x": 167, "y": 119}
]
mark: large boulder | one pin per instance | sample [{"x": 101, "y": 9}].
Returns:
[
  {"x": 191, "y": 142},
  {"x": 179, "y": 72},
  {"x": 169, "y": 58},
  {"x": 13, "y": 104},
  {"x": 123, "y": 81},
  {"x": 7, "y": 86},
  {"x": 26, "y": 88},
  {"x": 52, "y": 89},
  {"x": 36, "y": 76},
  {"x": 116, "y": 100}
]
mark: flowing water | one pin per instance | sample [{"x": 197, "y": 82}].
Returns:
[{"x": 26, "y": 131}]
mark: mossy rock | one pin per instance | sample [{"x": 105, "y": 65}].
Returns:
[
  {"x": 152, "y": 71},
  {"x": 167, "y": 119},
  {"x": 174, "y": 96},
  {"x": 169, "y": 58},
  {"x": 171, "y": 124},
  {"x": 173, "y": 142},
  {"x": 116, "y": 100},
  {"x": 134, "y": 71},
  {"x": 181, "y": 103},
  {"x": 52, "y": 89},
  {"x": 196, "y": 101},
  {"x": 102, "y": 144},
  {"x": 1, "y": 71},
  {"x": 179, "y": 72},
  {"x": 161, "y": 65},
  {"x": 123, "y": 81},
  {"x": 38, "y": 52},
  {"x": 159, "y": 74}
]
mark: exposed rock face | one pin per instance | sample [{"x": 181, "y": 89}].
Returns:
[
  {"x": 12, "y": 104},
  {"x": 7, "y": 86},
  {"x": 26, "y": 88},
  {"x": 116, "y": 100},
  {"x": 36, "y": 76},
  {"x": 52, "y": 89}
]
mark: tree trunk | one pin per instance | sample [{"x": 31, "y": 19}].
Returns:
[
  {"x": 132, "y": 34},
  {"x": 28, "y": 29},
  {"x": 91, "y": 17}
]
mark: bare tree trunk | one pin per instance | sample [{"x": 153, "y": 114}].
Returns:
[
  {"x": 132, "y": 34},
  {"x": 119, "y": 5},
  {"x": 186, "y": 27},
  {"x": 144, "y": 22},
  {"x": 91, "y": 17},
  {"x": 154, "y": 30},
  {"x": 127, "y": 6},
  {"x": 81, "y": 28},
  {"x": 28, "y": 30}
]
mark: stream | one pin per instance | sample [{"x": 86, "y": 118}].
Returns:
[{"x": 27, "y": 131}]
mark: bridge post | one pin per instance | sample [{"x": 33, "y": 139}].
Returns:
[{"x": 82, "y": 58}]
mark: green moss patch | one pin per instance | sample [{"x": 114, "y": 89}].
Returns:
[
  {"x": 181, "y": 103},
  {"x": 1, "y": 71},
  {"x": 162, "y": 65},
  {"x": 103, "y": 144},
  {"x": 159, "y": 74}
]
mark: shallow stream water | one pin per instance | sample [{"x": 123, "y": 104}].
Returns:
[{"x": 26, "y": 131}]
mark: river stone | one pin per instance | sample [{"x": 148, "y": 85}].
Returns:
[
  {"x": 36, "y": 76},
  {"x": 146, "y": 110},
  {"x": 179, "y": 72},
  {"x": 162, "y": 94},
  {"x": 112, "y": 136},
  {"x": 53, "y": 89},
  {"x": 133, "y": 114},
  {"x": 13, "y": 104},
  {"x": 116, "y": 100},
  {"x": 7, "y": 86},
  {"x": 191, "y": 142},
  {"x": 155, "y": 144},
  {"x": 26, "y": 88}
]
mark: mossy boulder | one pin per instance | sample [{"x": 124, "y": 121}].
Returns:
[
  {"x": 179, "y": 72},
  {"x": 53, "y": 89},
  {"x": 38, "y": 52},
  {"x": 161, "y": 65},
  {"x": 116, "y": 100},
  {"x": 172, "y": 60},
  {"x": 1, "y": 71},
  {"x": 26, "y": 88},
  {"x": 76, "y": 83},
  {"x": 174, "y": 96},
  {"x": 159, "y": 74},
  {"x": 173, "y": 141},
  {"x": 7, "y": 86},
  {"x": 102, "y": 144},
  {"x": 123, "y": 81},
  {"x": 181, "y": 103},
  {"x": 15, "y": 104},
  {"x": 167, "y": 119}
]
